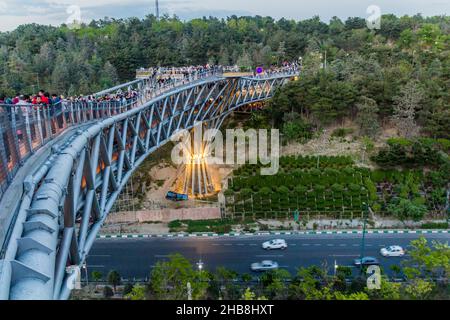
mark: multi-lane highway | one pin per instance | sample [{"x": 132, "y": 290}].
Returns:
[{"x": 134, "y": 258}]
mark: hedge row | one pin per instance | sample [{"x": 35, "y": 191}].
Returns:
[{"x": 290, "y": 163}]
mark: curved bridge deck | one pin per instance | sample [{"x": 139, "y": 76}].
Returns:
[{"x": 66, "y": 200}]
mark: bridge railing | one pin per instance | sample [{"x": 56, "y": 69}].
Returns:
[{"x": 26, "y": 128}]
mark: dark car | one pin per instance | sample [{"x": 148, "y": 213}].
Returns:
[
  {"x": 366, "y": 261},
  {"x": 176, "y": 196}
]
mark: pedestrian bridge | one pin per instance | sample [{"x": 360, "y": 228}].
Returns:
[{"x": 93, "y": 148}]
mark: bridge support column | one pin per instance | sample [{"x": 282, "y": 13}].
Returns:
[{"x": 197, "y": 177}]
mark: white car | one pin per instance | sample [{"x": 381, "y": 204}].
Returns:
[
  {"x": 275, "y": 244},
  {"x": 264, "y": 266},
  {"x": 392, "y": 251}
]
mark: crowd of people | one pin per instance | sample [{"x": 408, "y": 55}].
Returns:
[
  {"x": 45, "y": 99},
  {"x": 160, "y": 77},
  {"x": 286, "y": 67}
]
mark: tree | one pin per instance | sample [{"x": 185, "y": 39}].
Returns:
[
  {"x": 388, "y": 291},
  {"x": 405, "y": 209},
  {"x": 169, "y": 279},
  {"x": 245, "y": 62},
  {"x": 114, "y": 279},
  {"x": 428, "y": 261},
  {"x": 419, "y": 289},
  {"x": 274, "y": 284},
  {"x": 311, "y": 284},
  {"x": 352, "y": 296},
  {"x": 367, "y": 118},
  {"x": 109, "y": 77},
  {"x": 248, "y": 295},
  {"x": 108, "y": 292},
  {"x": 137, "y": 293},
  {"x": 225, "y": 277},
  {"x": 405, "y": 107},
  {"x": 281, "y": 52},
  {"x": 96, "y": 276},
  {"x": 128, "y": 288}
]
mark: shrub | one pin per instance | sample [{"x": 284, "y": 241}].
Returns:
[
  {"x": 175, "y": 224},
  {"x": 342, "y": 132},
  {"x": 405, "y": 209},
  {"x": 265, "y": 191},
  {"x": 245, "y": 193},
  {"x": 128, "y": 288},
  {"x": 283, "y": 190},
  {"x": 337, "y": 188},
  {"x": 108, "y": 292},
  {"x": 300, "y": 190}
]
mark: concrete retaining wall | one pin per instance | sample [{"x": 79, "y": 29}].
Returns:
[{"x": 164, "y": 215}]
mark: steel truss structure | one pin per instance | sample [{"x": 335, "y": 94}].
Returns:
[{"x": 68, "y": 199}]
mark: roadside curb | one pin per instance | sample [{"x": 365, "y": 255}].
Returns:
[{"x": 271, "y": 233}]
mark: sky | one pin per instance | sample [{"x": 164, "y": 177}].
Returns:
[{"x": 55, "y": 12}]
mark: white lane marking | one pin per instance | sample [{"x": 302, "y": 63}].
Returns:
[
  {"x": 305, "y": 245},
  {"x": 270, "y": 256},
  {"x": 342, "y": 245},
  {"x": 317, "y": 245},
  {"x": 228, "y": 244},
  {"x": 344, "y": 255},
  {"x": 253, "y": 244},
  {"x": 241, "y": 244}
]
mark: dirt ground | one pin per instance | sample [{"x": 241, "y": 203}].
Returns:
[{"x": 326, "y": 145}]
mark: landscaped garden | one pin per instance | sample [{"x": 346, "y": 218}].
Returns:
[{"x": 333, "y": 187}]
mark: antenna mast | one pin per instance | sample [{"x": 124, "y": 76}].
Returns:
[{"x": 157, "y": 8}]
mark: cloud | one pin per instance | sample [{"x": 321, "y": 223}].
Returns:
[
  {"x": 16, "y": 12},
  {"x": 3, "y": 7}
]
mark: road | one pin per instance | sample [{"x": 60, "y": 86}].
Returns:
[{"x": 134, "y": 258}]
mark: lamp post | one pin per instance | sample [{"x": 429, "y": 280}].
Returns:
[
  {"x": 363, "y": 243},
  {"x": 335, "y": 267},
  {"x": 448, "y": 204},
  {"x": 86, "y": 272}
]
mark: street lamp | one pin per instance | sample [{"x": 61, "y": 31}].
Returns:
[
  {"x": 86, "y": 271},
  {"x": 335, "y": 267},
  {"x": 363, "y": 243},
  {"x": 200, "y": 265}
]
